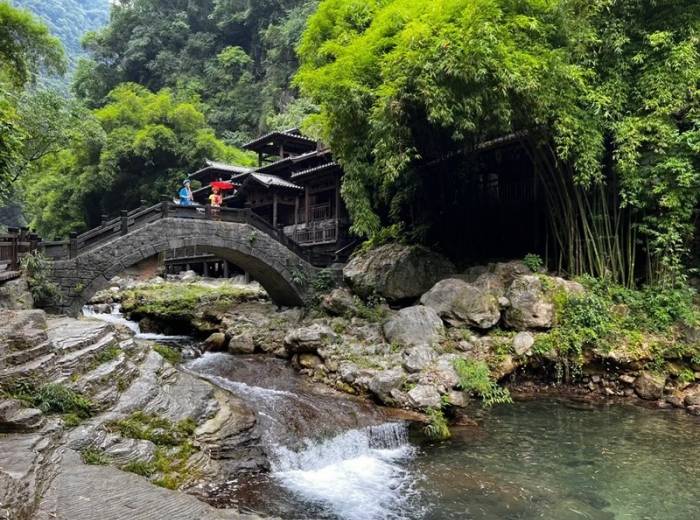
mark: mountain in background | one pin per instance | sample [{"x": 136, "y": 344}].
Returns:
[{"x": 69, "y": 20}]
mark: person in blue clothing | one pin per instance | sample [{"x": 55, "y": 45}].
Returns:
[{"x": 185, "y": 194}]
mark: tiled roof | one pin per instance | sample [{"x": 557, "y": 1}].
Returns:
[
  {"x": 273, "y": 180},
  {"x": 213, "y": 165},
  {"x": 291, "y": 134},
  {"x": 315, "y": 169}
]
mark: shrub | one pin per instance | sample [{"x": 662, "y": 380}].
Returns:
[
  {"x": 533, "y": 262},
  {"x": 36, "y": 268},
  {"x": 172, "y": 355},
  {"x": 475, "y": 376},
  {"x": 437, "y": 428},
  {"x": 140, "y": 467},
  {"x": 95, "y": 457},
  {"x": 158, "y": 430},
  {"x": 51, "y": 398}
]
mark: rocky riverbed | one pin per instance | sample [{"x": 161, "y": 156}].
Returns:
[{"x": 389, "y": 335}]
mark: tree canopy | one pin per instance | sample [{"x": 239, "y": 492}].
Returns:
[
  {"x": 237, "y": 55},
  {"x": 139, "y": 146},
  {"x": 610, "y": 86}
]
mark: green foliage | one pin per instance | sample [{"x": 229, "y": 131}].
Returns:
[
  {"x": 475, "y": 376},
  {"x": 158, "y": 430},
  {"x": 137, "y": 147},
  {"x": 140, "y": 467},
  {"x": 26, "y": 47},
  {"x": 37, "y": 269},
  {"x": 50, "y": 398},
  {"x": 324, "y": 281},
  {"x": 437, "y": 428},
  {"x": 607, "y": 88},
  {"x": 173, "y": 301},
  {"x": 170, "y": 354},
  {"x": 533, "y": 262},
  {"x": 95, "y": 457},
  {"x": 109, "y": 354},
  {"x": 237, "y": 56}
]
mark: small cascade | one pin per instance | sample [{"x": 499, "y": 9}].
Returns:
[
  {"x": 359, "y": 474},
  {"x": 116, "y": 317}
]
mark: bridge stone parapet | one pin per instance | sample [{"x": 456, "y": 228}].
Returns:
[{"x": 281, "y": 271}]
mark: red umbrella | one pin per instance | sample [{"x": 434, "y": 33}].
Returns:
[{"x": 223, "y": 185}]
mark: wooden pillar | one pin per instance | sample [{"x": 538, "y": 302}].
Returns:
[
  {"x": 306, "y": 204},
  {"x": 205, "y": 269},
  {"x": 226, "y": 269},
  {"x": 296, "y": 210},
  {"x": 274, "y": 210},
  {"x": 246, "y": 277},
  {"x": 14, "y": 249}
]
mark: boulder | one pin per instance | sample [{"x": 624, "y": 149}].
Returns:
[
  {"x": 241, "y": 344},
  {"x": 692, "y": 399},
  {"x": 308, "y": 339},
  {"x": 339, "y": 302},
  {"x": 396, "y": 272},
  {"x": 417, "y": 325},
  {"x": 424, "y": 396},
  {"x": 215, "y": 342},
  {"x": 15, "y": 295},
  {"x": 309, "y": 360},
  {"x": 509, "y": 271},
  {"x": 649, "y": 386},
  {"x": 385, "y": 382},
  {"x": 418, "y": 358},
  {"x": 522, "y": 343},
  {"x": 492, "y": 284},
  {"x": 461, "y": 303},
  {"x": 530, "y": 307}
]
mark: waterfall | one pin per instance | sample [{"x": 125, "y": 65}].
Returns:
[{"x": 116, "y": 317}]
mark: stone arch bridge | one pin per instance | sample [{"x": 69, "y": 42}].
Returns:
[{"x": 85, "y": 263}]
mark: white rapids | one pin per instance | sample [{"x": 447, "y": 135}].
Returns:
[{"x": 115, "y": 317}]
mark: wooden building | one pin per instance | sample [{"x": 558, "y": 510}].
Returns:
[{"x": 296, "y": 188}]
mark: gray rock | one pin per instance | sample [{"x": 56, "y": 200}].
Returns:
[
  {"x": 127, "y": 450},
  {"x": 460, "y": 303},
  {"x": 522, "y": 343},
  {"x": 509, "y": 271},
  {"x": 385, "y": 382},
  {"x": 15, "y": 295},
  {"x": 418, "y": 358},
  {"x": 339, "y": 302},
  {"x": 424, "y": 396},
  {"x": 309, "y": 339},
  {"x": 627, "y": 379},
  {"x": 241, "y": 344},
  {"x": 649, "y": 386},
  {"x": 396, "y": 272},
  {"x": 457, "y": 398},
  {"x": 693, "y": 410},
  {"x": 492, "y": 284},
  {"x": 418, "y": 325},
  {"x": 530, "y": 308},
  {"x": 692, "y": 399}
]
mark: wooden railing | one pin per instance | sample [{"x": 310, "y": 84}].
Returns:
[
  {"x": 315, "y": 233},
  {"x": 14, "y": 245}
]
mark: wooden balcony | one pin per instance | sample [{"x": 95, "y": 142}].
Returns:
[{"x": 313, "y": 234}]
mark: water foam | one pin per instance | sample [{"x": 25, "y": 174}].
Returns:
[
  {"x": 115, "y": 317},
  {"x": 357, "y": 475}
]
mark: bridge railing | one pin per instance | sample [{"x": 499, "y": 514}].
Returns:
[
  {"x": 14, "y": 245},
  {"x": 129, "y": 221}
]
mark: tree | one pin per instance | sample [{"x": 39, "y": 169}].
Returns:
[
  {"x": 604, "y": 89},
  {"x": 26, "y": 47},
  {"x": 236, "y": 55},
  {"x": 140, "y": 146}
]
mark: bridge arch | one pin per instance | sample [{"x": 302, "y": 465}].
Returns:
[{"x": 282, "y": 273}]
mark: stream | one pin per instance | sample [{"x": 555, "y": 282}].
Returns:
[{"x": 336, "y": 457}]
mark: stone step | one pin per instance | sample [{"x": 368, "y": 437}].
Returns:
[
  {"x": 19, "y": 357},
  {"x": 70, "y": 335},
  {"x": 83, "y": 358},
  {"x": 22, "y": 421},
  {"x": 40, "y": 369},
  {"x": 107, "y": 381}
]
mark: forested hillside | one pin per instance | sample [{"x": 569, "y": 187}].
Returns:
[
  {"x": 69, "y": 20},
  {"x": 237, "y": 55}
]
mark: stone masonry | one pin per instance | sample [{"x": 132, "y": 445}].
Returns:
[{"x": 283, "y": 274}]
